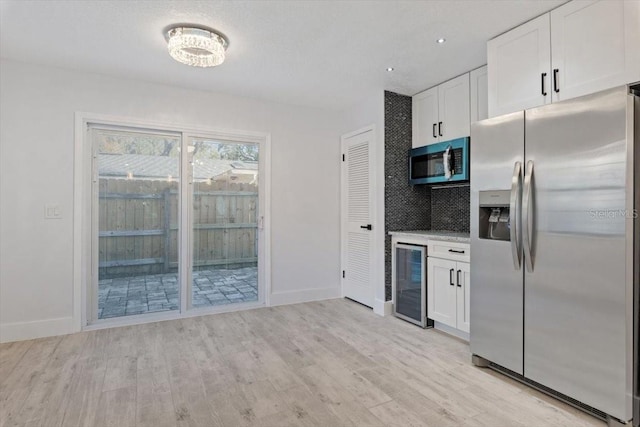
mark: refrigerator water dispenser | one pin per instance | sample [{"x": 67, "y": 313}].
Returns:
[{"x": 494, "y": 215}]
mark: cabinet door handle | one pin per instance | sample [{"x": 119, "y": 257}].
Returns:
[
  {"x": 556, "y": 86},
  {"x": 440, "y": 128},
  {"x": 458, "y": 278},
  {"x": 451, "y": 277},
  {"x": 455, "y": 251},
  {"x": 542, "y": 77},
  {"x": 434, "y": 131}
]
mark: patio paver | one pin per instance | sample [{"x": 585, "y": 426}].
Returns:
[{"x": 159, "y": 292}]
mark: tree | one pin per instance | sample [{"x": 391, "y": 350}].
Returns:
[
  {"x": 242, "y": 152},
  {"x": 118, "y": 142}
]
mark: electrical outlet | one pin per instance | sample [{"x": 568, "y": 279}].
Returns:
[{"x": 52, "y": 211}]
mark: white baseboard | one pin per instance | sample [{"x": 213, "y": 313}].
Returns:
[
  {"x": 305, "y": 295},
  {"x": 19, "y": 331},
  {"x": 382, "y": 308}
]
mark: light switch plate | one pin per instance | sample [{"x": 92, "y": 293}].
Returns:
[{"x": 52, "y": 211}]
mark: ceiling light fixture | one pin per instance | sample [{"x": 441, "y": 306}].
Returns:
[
  {"x": 390, "y": 69},
  {"x": 197, "y": 47},
  {"x": 441, "y": 40}
]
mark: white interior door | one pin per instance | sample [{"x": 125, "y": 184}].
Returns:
[{"x": 358, "y": 223}]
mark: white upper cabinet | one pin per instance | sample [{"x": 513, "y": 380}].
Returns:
[
  {"x": 595, "y": 45},
  {"x": 479, "y": 94},
  {"x": 579, "y": 48},
  {"x": 453, "y": 111},
  {"x": 519, "y": 67},
  {"x": 424, "y": 118},
  {"x": 441, "y": 113}
]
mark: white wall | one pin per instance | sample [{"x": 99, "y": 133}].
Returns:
[
  {"x": 370, "y": 111},
  {"x": 37, "y": 106}
]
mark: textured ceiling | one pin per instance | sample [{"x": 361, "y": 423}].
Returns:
[{"x": 328, "y": 54}]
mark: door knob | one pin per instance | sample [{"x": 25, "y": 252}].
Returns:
[{"x": 366, "y": 227}]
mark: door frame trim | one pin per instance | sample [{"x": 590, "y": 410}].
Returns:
[
  {"x": 374, "y": 217},
  {"x": 82, "y": 199}
]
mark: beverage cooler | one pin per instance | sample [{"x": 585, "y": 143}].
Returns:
[{"x": 411, "y": 284}]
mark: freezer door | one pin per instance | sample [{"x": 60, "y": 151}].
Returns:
[
  {"x": 577, "y": 212},
  {"x": 497, "y": 147}
]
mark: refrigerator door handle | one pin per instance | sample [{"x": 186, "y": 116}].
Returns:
[
  {"x": 527, "y": 217},
  {"x": 514, "y": 210}
]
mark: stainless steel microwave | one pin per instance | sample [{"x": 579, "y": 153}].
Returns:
[{"x": 441, "y": 163}]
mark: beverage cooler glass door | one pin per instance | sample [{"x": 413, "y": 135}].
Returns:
[{"x": 410, "y": 291}]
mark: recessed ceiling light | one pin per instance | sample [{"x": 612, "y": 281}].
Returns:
[
  {"x": 441, "y": 40},
  {"x": 197, "y": 47},
  {"x": 390, "y": 69}
]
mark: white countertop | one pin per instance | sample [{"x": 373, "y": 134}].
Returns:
[{"x": 448, "y": 236}]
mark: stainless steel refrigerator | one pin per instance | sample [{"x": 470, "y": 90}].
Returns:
[{"x": 554, "y": 202}]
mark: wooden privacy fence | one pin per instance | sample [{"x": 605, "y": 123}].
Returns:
[{"x": 138, "y": 226}]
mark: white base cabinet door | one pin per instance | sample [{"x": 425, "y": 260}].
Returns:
[
  {"x": 594, "y": 46},
  {"x": 463, "y": 279},
  {"x": 441, "y": 291},
  {"x": 519, "y": 67},
  {"x": 448, "y": 289}
]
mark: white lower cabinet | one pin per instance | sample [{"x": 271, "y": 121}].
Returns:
[
  {"x": 462, "y": 296},
  {"x": 441, "y": 294},
  {"x": 448, "y": 284}
]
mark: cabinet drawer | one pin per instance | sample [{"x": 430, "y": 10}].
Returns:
[{"x": 449, "y": 250}]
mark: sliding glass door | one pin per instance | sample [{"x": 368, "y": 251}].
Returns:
[
  {"x": 225, "y": 222},
  {"x": 175, "y": 223},
  {"x": 137, "y": 175}
]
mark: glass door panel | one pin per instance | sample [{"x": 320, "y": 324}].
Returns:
[
  {"x": 225, "y": 222},
  {"x": 410, "y": 297},
  {"x": 137, "y": 176}
]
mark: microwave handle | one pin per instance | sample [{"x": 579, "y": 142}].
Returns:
[{"x": 448, "y": 160}]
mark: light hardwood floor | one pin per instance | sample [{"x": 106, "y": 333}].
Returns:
[{"x": 330, "y": 363}]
